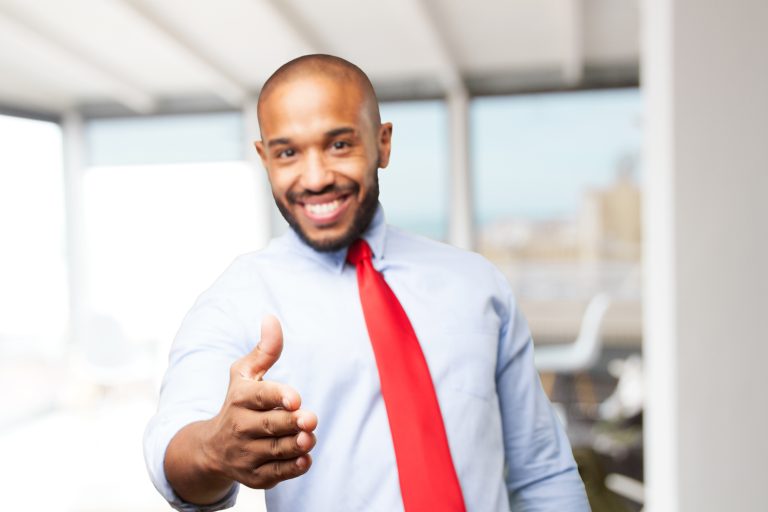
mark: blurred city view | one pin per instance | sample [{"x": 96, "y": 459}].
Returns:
[{"x": 559, "y": 207}]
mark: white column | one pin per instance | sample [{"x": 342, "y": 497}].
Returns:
[
  {"x": 262, "y": 191},
  {"x": 74, "y": 165},
  {"x": 573, "y": 42},
  {"x": 460, "y": 222},
  {"x": 705, "y": 81}
]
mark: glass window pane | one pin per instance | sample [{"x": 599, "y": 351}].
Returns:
[
  {"x": 534, "y": 155},
  {"x": 33, "y": 294},
  {"x": 557, "y": 195},
  {"x": 414, "y": 187},
  {"x": 209, "y": 137},
  {"x": 157, "y": 236}
]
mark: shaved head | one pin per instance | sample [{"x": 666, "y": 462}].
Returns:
[
  {"x": 323, "y": 66},
  {"x": 322, "y": 144}
]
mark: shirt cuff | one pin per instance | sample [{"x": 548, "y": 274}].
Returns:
[{"x": 226, "y": 502}]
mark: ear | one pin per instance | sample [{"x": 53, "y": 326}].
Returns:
[
  {"x": 385, "y": 144},
  {"x": 259, "y": 145}
]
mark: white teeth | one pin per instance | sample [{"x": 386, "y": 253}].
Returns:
[{"x": 323, "y": 208}]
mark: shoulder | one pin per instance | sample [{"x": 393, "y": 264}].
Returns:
[
  {"x": 462, "y": 264},
  {"x": 462, "y": 281},
  {"x": 249, "y": 268}
]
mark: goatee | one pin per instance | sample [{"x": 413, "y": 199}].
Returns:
[{"x": 359, "y": 224}]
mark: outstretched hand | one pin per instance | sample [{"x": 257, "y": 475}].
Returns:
[{"x": 259, "y": 438}]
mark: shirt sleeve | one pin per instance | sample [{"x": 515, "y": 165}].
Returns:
[
  {"x": 195, "y": 384},
  {"x": 541, "y": 472}
]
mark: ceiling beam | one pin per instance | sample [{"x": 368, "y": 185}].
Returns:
[
  {"x": 121, "y": 87},
  {"x": 297, "y": 24},
  {"x": 228, "y": 87},
  {"x": 37, "y": 115}
]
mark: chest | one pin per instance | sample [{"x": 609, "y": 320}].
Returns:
[{"x": 327, "y": 350}]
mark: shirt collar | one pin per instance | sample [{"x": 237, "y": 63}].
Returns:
[{"x": 374, "y": 234}]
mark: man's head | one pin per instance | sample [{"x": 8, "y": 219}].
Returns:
[{"x": 322, "y": 143}]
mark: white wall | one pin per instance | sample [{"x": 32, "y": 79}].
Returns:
[{"x": 705, "y": 76}]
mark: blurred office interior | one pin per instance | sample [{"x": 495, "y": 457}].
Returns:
[{"x": 608, "y": 156}]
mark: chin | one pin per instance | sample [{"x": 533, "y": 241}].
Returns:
[
  {"x": 355, "y": 223},
  {"x": 329, "y": 243}
]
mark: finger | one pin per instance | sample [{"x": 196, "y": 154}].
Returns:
[
  {"x": 265, "y": 395},
  {"x": 269, "y": 449},
  {"x": 266, "y": 352},
  {"x": 274, "y": 423},
  {"x": 270, "y": 474},
  {"x": 306, "y": 421}
]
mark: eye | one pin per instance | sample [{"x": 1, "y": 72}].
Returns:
[
  {"x": 286, "y": 153},
  {"x": 340, "y": 144}
]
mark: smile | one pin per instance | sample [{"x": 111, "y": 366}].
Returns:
[
  {"x": 323, "y": 209},
  {"x": 327, "y": 212}
]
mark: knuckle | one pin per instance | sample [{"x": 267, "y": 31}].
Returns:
[
  {"x": 259, "y": 397},
  {"x": 241, "y": 454},
  {"x": 291, "y": 422},
  {"x": 276, "y": 448},
  {"x": 235, "y": 370},
  {"x": 279, "y": 471},
  {"x": 238, "y": 429},
  {"x": 237, "y": 396},
  {"x": 264, "y": 478},
  {"x": 267, "y": 425}
]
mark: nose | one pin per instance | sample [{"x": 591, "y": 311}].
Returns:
[{"x": 316, "y": 174}]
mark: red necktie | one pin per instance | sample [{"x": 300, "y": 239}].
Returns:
[{"x": 428, "y": 479}]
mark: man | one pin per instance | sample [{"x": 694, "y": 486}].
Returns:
[{"x": 424, "y": 400}]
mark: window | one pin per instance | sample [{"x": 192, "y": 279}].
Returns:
[
  {"x": 557, "y": 195},
  {"x": 33, "y": 294},
  {"x": 414, "y": 187}
]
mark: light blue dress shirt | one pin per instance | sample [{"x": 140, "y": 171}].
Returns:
[{"x": 508, "y": 447}]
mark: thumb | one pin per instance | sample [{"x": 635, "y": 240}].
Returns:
[{"x": 267, "y": 350}]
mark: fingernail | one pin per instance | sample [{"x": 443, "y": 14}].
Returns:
[
  {"x": 286, "y": 402},
  {"x": 300, "y": 422},
  {"x": 301, "y": 462}
]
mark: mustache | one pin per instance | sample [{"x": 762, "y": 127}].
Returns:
[{"x": 301, "y": 196}]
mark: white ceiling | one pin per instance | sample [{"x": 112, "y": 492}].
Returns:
[{"x": 142, "y": 54}]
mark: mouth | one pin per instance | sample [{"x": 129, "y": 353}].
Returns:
[{"x": 325, "y": 211}]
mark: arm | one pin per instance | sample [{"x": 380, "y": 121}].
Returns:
[
  {"x": 258, "y": 437},
  {"x": 541, "y": 473}
]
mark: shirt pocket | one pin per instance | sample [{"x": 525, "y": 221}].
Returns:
[{"x": 469, "y": 360}]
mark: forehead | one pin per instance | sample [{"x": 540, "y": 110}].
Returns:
[{"x": 306, "y": 105}]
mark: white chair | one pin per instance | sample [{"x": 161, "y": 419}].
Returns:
[{"x": 582, "y": 354}]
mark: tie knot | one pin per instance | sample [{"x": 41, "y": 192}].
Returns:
[{"x": 358, "y": 252}]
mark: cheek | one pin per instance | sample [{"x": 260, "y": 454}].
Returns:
[
  {"x": 357, "y": 170},
  {"x": 280, "y": 180}
]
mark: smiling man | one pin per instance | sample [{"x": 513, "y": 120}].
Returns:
[
  {"x": 324, "y": 146},
  {"x": 402, "y": 364}
]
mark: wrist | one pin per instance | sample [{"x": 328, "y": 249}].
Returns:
[
  {"x": 207, "y": 458},
  {"x": 193, "y": 468}
]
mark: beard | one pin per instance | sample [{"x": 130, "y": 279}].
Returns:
[{"x": 360, "y": 222}]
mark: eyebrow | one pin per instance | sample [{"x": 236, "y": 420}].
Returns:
[
  {"x": 344, "y": 130},
  {"x": 340, "y": 131},
  {"x": 278, "y": 142}
]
